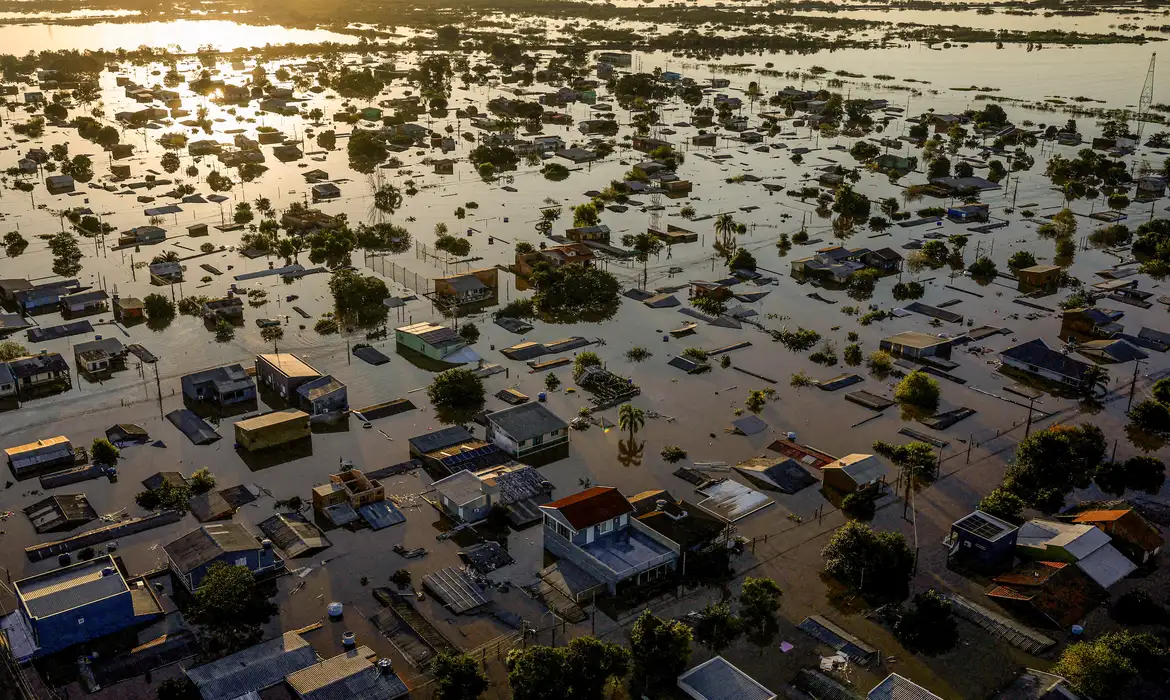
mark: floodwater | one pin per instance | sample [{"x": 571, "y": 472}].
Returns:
[
  {"x": 694, "y": 410},
  {"x": 188, "y": 35}
]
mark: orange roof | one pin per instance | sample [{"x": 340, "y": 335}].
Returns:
[
  {"x": 1100, "y": 516},
  {"x": 591, "y": 506}
]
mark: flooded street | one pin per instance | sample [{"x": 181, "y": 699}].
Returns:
[{"x": 693, "y": 412}]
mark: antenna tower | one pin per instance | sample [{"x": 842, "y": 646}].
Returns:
[{"x": 1146, "y": 99}]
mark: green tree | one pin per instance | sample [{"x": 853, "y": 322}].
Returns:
[
  {"x": 229, "y": 609},
  {"x": 1104, "y": 667},
  {"x": 631, "y": 418},
  {"x": 1051, "y": 462},
  {"x": 983, "y": 268},
  {"x": 917, "y": 459},
  {"x": 716, "y": 627},
  {"x": 551, "y": 382},
  {"x": 1021, "y": 259},
  {"x": 742, "y": 260},
  {"x": 928, "y": 627},
  {"x": 918, "y": 390},
  {"x": 456, "y": 394},
  {"x": 10, "y": 350},
  {"x": 181, "y": 688},
  {"x": 660, "y": 650},
  {"x": 103, "y": 452},
  {"x": 358, "y": 298},
  {"x": 759, "y": 603},
  {"x": 579, "y": 671},
  {"x": 1003, "y": 504},
  {"x": 874, "y": 562},
  {"x": 672, "y": 454},
  {"x": 1093, "y": 378},
  {"x": 583, "y": 361},
  {"x": 1151, "y": 417},
  {"x": 457, "y": 677},
  {"x": 201, "y": 481},
  {"x": 469, "y": 332}
]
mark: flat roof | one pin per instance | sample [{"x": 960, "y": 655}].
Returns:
[
  {"x": 71, "y": 587},
  {"x": 915, "y": 339},
  {"x": 39, "y": 445},
  {"x": 289, "y": 365},
  {"x": 288, "y": 415},
  {"x": 628, "y": 550}
]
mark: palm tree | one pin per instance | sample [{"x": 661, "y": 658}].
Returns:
[
  {"x": 725, "y": 229},
  {"x": 1092, "y": 378},
  {"x": 387, "y": 199},
  {"x": 631, "y": 418}
]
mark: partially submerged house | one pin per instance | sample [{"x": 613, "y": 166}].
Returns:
[
  {"x": 220, "y": 386},
  {"x": 982, "y": 539},
  {"x": 47, "y": 370},
  {"x": 435, "y": 342},
  {"x": 228, "y": 308},
  {"x": 690, "y": 527},
  {"x": 1137, "y": 537},
  {"x": 284, "y": 373},
  {"x": 469, "y": 496},
  {"x": 555, "y": 256},
  {"x": 718, "y": 679},
  {"x": 1076, "y": 543},
  {"x": 917, "y": 346},
  {"x": 351, "y": 674},
  {"x": 191, "y": 556},
  {"x": 528, "y": 431},
  {"x": 272, "y": 429},
  {"x": 1036, "y": 358},
  {"x": 1057, "y": 593},
  {"x": 75, "y": 605},
  {"x": 100, "y": 357},
  {"x": 41, "y": 455},
  {"x": 470, "y": 287},
  {"x": 1092, "y": 321},
  {"x": 90, "y": 302},
  {"x": 594, "y": 530},
  {"x": 854, "y": 473},
  {"x": 323, "y": 396},
  {"x": 351, "y": 487}
]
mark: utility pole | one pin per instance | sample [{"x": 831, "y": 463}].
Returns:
[{"x": 1132, "y": 384}]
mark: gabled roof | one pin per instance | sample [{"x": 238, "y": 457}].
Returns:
[
  {"x": 863, "y": 469},
  {"x": 895, "y": 687},
  {"x": 1077, "y": 539},
  {"x": 591, "y": 506},
  {"x": 348, "y": 676},
  {"x": 718, "y": 679},
  {"x": 460, "y": 488},
  {"x": 253, "y": 669},
  {"x": 1101, "y": 516},
  {"x": 1036, "y": 352},
  {"x": 207, "y": 543}
]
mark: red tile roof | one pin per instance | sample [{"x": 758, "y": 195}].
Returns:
[{"x": 592, "y": 506}]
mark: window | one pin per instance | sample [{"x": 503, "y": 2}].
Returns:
[
  {"x": 81, "y": 620},
  {"x": 604, "y": 527},
  {"x": 538, "y": 439},
  {"x": 242, "y": 561}
]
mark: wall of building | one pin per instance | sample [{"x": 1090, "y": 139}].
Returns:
[
  {"x": 561, "y": 548},
  {"x": 84, "y": 624}
]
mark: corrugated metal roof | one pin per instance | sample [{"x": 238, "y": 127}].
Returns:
[
  {"x": 460, "y": 488},
  {"x": 253, "y": 669},
  {"x": 718, "y": 679},
  {"x": 200, "y": 546},
  {"x": 70, "y": 587},
  {"x": 895, "y": 687}
]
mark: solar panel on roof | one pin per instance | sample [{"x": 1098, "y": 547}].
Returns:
[{"x": 980, "y": 526}]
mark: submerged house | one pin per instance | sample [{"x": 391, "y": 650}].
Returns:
[
  {"x": 284, "y": 373},
  {"x": 221, "y": 386},
  {"x": 916, "y": 345},
  {"x": 470, "y": 287},
  {"x": 435, "y": 342},
  {"x": 595, "y": 531},
  {"x": 1139, "y": 539},
  {"x": 1090, "y": 320},
  {"x": 1036, "y": 358},
  {"x": 982, "y": 539},
  {"x": 469, "y": 496},
  {"x": 1075, "y": 543},
  {"x": 527, "y": 431},
  {"x": 46, "y": 370},
  {"x": 75, "y": 605},
  {"x": 191, "y": 556}
]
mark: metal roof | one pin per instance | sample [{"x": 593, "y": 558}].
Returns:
[
  {"x": 984, "y": 525},
  {"x": 526, "y": 421},
  {"x": 322, "y": 386},
  {"x": 441, "y": 439},
  {"x": 718, "y": 679},
  {"x": 591, "y": 506},
  {"x": 431, "y": 334},
  {"x": 288, "y": 415},
  {"x": 1106, "y": 566},
  {"x": 288, "y": 364},
  {"x": 71, "y": 587},
  {"x": 460, "y": 488},
  {"x": 895, "y": 687},
  {"x": 253, "y": 669},
  {"x": 293, "y": 534},
  {"x": 348, "y": 676},
  {"x": 205, "y": 544},
  {"x": 862, "y": 469}
]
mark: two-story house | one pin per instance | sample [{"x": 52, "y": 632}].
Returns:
[
  {"x": 191, "y": 556},
  {"x": 595, "y": 530}
]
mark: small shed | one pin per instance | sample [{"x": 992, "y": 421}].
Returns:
[
  {"x": 63, "y": 512},
  {"x": 272, "y": 429},
  {"x": 1042, "y": 276}
]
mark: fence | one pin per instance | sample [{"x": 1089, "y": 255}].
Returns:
[{"x": 419, "y": 284}]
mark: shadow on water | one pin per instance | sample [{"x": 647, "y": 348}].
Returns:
[{"x": 630, "y": 452}]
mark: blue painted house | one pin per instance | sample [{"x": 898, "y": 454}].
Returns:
[
  {"x": 221, "y": 386},
  {"x": 595, "y": 530},
  {"x": 74, "y": 605},
  {"x": 983, "y": 540},
  {"x": 191, "y": 556}
]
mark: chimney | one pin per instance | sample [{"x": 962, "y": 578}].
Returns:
[{"x": 385, "y": 667}]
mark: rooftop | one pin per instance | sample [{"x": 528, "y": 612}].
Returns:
[
  {"x": 348, "y": 676},
  {"x": 322, "y": 386},
  {"x": 432, "y": 334},
  {"x": 207, "y": 543},
  {"x": 289, "y": 365},
  {"x": 628, "y": 551},
  {"x": 441, "y": 439},
  {"x": 460, "y": 488},
  {"x": 253, "y": 669},
  {"x": 985, "y": 525},
  {"x": 914, "y": 339},
  {"x": 1036, "y": 352},
  {"x": 895, "y": 687},
  {"x": 861, "y": 468},
  {"x": 718, "y": 679},
  {"x": 288, "y": 415},
  {"x": 526, "y": 421},
  {"x": 71, "y": 587},
  {"x": 591, "y": 506},
  {"x": 1078, "y": 540}
]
